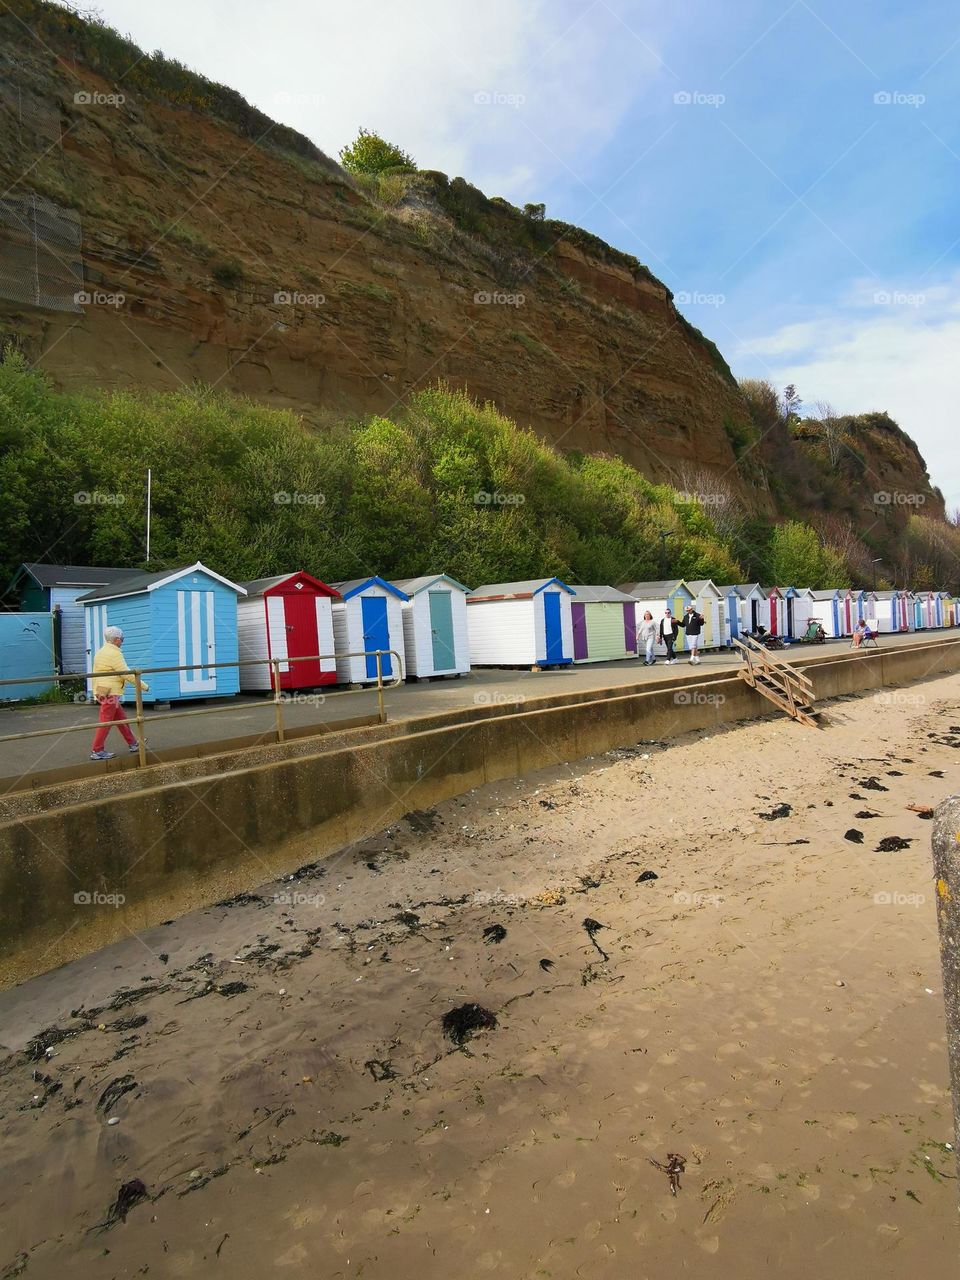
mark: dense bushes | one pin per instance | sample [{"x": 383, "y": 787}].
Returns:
[{"x": 447, "y": 485}]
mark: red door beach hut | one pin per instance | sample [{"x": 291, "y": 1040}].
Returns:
[
  {"x": 434, "y": 626},
  {"x": 776, "y": 617},
  {"x": 521, "y": 624},
  {"x": 367, "y": 618},
  {"x": 287, "y": 617},
  {"x": 604, "y": 624}
]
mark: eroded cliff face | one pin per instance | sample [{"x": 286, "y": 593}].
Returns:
[
  {"x": 229, "y": 251},
  {"x": 275, "y": 276}
]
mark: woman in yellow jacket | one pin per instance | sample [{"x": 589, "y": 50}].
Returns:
[{"x": 109, "y": 677}]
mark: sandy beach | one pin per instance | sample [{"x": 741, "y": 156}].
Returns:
[{"x": 720, "y": 948}]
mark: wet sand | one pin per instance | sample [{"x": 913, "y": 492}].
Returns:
[{"x": 768, "y": 1007}]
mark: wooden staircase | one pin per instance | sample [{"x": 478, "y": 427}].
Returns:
[{"x": 778, "y": 681}]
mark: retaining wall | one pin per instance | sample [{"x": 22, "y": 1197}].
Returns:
[{"x": 192, "y": 841}]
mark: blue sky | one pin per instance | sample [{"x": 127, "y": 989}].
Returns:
[{"x": 789, "y": 169}]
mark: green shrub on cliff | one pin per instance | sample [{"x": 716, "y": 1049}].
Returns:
[
  {"x": 369, "y": 153},
  {"x": 446, "y": 484}
]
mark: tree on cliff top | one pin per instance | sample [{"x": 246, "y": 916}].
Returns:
[{"x": 369, "y": 153}]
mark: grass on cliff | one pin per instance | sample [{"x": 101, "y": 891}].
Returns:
[{"x": 444, "y": 484}]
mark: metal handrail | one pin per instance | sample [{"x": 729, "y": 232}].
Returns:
[{"x": 278, "y": 693}]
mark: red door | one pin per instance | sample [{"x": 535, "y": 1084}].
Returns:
[
  {"x": 773, "y": 615},
  {"x": 300, "y": 616}
]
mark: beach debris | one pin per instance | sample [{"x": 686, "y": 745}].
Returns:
[
  {"x": 494, "y": 933},
  {"x": 588, "y": 882},
  {"x": 871, "y": 784},
  {"x": 546, "y": 965},
  {"x": 839, "y": 983},
  {"x": 854, "y": 836},
  {"x": 114, "y": 1120},
  {"x": 593, "y": 927},
  {"x": 551, "y": 898},
  {"x": 646, "y": 875},
  {"x": 778, "y": 811},
  {"x": 894, "y": 773},
  {"x": 130, "y": 1194},
  {"x": 673, "y": 1167},
  {"x": 546, "y": 804},
  {"x": 232, "y": 988},
  {"x": 330, "y": 1138},
  {"x": 380, "y": 1069},
  {"x": 409, "y": 918},
  {"x": 922, "y": 810},
  {"x": 893, "y": 844},
  {"x": 866, "y": 813},
  {"x": 461, "y": 1023},
  {"x": 936, "y": 773},
  {"x": 423, "y": 821},
  {"x": 114, "y": 1092},
  {"x": 242, "y": 900}
]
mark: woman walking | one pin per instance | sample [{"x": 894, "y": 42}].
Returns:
[
  {"x": 110, "y": 674},
  {"x": 648, "y": 637}
]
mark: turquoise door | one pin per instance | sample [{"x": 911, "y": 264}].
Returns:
[
  {"x": 441, "y": 630},
  {"x": 551, "y": 618},
  {"x": 376, "y": 633}
]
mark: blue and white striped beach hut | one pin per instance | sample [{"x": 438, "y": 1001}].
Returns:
[{"x": 173, "y": 618}]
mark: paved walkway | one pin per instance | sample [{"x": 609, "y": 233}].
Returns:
[{"x": 254, "y": 715}]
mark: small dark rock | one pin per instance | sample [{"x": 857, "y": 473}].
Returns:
[
  {"x": 893, "y": 844},
  {"x": 647, "y": 875},
  {"x": 778, "y": 811},
  {"x": 854, "y": 836}
]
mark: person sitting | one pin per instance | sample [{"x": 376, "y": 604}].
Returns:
[{"x": 861, "y": 632}]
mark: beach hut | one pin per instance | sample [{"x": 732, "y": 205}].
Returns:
[
  {"x": 752, "y": 606},
  {"x": 942, "y": 602},
  {"x": 172, "y": 618},
  {"x": 604, "y": 624},
  {"x": 887, "y": 611},
  {"x": 283, "y": 617},
  {"x": 905, "y": 609},
  {"x": 776, "y": 611},
  {"x": 949, "y": 604},
  {"x": 708, "y": 600},
  {"x": 367, "y": 617},
  {"x": 827, "y": 609},
  {"x": 790, "y": 625},
  {"x": 866, "y": 606},
  {"x": 56, "y": 588},
  {"x": 802, "y": 607},
  {"x": 922, "y": 611},
  {"x": 521, "y": 624},
  {"x": 434, "y": 615},
  {"x": 657, "y": 597},
  {"x": 729, "y": 613}
]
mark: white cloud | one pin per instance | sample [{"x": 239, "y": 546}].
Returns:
[
  {"x": 884, "y": 346},
  {"x": 560, "y": 74}
]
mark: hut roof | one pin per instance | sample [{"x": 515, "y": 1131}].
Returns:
[
  {"x": 516, "y": 590},
  {"x": 73, "y": 575},
  {"x": 259, "y": 586},
  {"x": 356, "y": 585},
  {"x": 602, "y": 595},
  {"x": 139, "y": 583},
  {"x": 413, "y": 586},
  {"x": 703, "y": 584},
  {"x": 653, "y": 589}
]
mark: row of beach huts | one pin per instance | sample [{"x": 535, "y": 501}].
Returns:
[{"x": 195, "y": 618}]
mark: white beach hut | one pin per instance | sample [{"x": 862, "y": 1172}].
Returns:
[
  {"x": 366, "y": 618},
  {"x": 827, "y": 609},
  {"x": 803, "y": 611},
  {"x": 435, "y": 639},
  {"x": 753, "y": 605},
  {"x": 887, "y": 611},
  {"x": 521, "y": 624}
]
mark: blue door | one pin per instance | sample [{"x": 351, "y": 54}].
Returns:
[
  {"x": 376, "y": 633},
  {"x": 551, "y": 621}
]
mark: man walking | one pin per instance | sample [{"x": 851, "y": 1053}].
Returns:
[
  {"x": 109, "y": 677},
  {"x": 692, "y": 624},
  {"x": 668, "y": 634}
]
